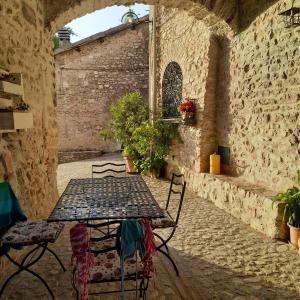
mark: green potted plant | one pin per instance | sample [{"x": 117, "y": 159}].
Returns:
[
  {"x": 152, "y": 141},
  {"x": 291, "y": 201},
  {"x": 128, "y": 113}
]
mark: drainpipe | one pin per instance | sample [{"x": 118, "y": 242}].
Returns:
[{"x": 152, "y": 73}]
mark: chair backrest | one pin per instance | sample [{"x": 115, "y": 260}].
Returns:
[
  {"x": 109, "y": 169},
  {"x": 177, "y": 180}
]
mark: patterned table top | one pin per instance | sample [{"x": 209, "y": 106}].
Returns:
[{"x": 106, "y": 198}]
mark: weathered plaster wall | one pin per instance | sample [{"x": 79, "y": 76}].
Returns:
[
  {"x": 92, "y": 77},
  {"x": 24, "y": 48}
]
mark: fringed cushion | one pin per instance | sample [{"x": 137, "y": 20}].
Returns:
[{"x": 32, "y": 232}]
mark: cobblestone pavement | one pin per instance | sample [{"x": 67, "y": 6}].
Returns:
[{"x": 218, "y": 256}]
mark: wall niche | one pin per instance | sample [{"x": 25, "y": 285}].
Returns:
[{"x": 171, "y": 90}]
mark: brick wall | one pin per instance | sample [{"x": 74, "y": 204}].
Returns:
[{"x": 90, "y": 78}]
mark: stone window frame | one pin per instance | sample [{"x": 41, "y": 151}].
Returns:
[{"x": 173, "y": 76}]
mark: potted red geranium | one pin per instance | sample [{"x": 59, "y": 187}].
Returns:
[{"x": 187, "y": 109}]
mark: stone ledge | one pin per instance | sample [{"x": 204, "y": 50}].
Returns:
[
  {"x": 248, "y": 202},
  {"x": 70, "y": 156}
]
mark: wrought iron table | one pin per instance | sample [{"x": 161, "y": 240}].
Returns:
[{"x": 106, "y": 198}]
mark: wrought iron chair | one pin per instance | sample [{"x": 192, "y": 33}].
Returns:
[
  {"x": 168, "y": 221},
  {"x": 109, "y": 169},
  {"x": 105, "y": 170},
  {"x": 108, "y": 266},
  {"x": 31, "y": 233},
  {"x": 17, "y": 232}
]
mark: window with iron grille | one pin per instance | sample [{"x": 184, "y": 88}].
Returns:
[{"x": 171, "y": 90}]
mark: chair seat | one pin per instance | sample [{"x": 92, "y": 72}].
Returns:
[
  {"x": 165, "y": 222},
  {"x": 98, "y": 246},
  {"x": 108, "y": 267},
  {"x": 32, "y": 232}
]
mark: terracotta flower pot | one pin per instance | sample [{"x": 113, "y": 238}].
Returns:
[
  {"x": 153, "y": 173},
  {"x": 294, "y": 235},
  {"x": 130, "y": 168},
  {"x": 187, "y": 118}
]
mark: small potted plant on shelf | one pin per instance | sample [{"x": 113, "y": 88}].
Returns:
[
  {"x": 291, "y": 201},
  {"x": 187, "y": 110}
]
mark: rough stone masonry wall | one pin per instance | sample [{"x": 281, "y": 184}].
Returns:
[
  {"x": 258, "y": 115},
  {"x": 195, "y": 49},
  {"x": 92, "y": 77},
  {"x": 25, "y": 49},
  {"x": 257, "y": 93}
]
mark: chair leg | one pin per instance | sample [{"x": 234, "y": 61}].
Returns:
[
  {"x": 32, "y": 273},
  {"x": 57, "y": 258},
  {"x": 23, "y": 267},
  {"x": 171, "y": 260},
  {"x": 163, "y": 242}
]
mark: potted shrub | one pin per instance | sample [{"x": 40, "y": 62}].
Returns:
[
  {"x": 152, "y": 141},
  {"x": 291, "y": 215},
  {"x": 187, "y": 110},
  {"x": 128, "y": 113},
  {"x": 130, "y": 154}
]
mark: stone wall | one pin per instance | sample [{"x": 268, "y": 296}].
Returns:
[
  {"x": 252, "y": 80},
  {"x": 70, "y": 156},
  {"x": 246, "y": 88},
  {"x": 26, "y": 49},
  {"x": 91, "y": 77},
  {"x": 258, "y": 115},
  {"x": 198, "y": 59}
]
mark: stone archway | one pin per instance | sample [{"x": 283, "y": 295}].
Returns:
[{"x": 211, "y": 12}]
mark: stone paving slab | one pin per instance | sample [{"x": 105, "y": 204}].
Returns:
[{"x": 218, "y": 256}]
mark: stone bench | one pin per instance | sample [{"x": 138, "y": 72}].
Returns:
[{"x": 248, "y": 202}]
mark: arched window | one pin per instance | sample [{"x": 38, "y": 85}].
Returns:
[{"x": 171, "y": 90}]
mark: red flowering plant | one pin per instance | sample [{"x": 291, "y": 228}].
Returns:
[{"x": 187, "y": 106}]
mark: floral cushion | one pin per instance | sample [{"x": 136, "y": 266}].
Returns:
[
  {"x": 108, "y": 268},
  {"x": 32, "y": 232},
  {"x": 94, "y": 245},
  {"x": 164, "y": 222}
]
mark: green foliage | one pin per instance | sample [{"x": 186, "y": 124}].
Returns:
[
  {"x": 22, "y": 106},
  {"x": 152, "y": 141},
  {"x": 55, "y": 41},
  {"x": 150, "y": 163},
  {"x": 291, "y": 200},
  {"x": 130, "y": 152},
  {"x": 128, "y": 113}
]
